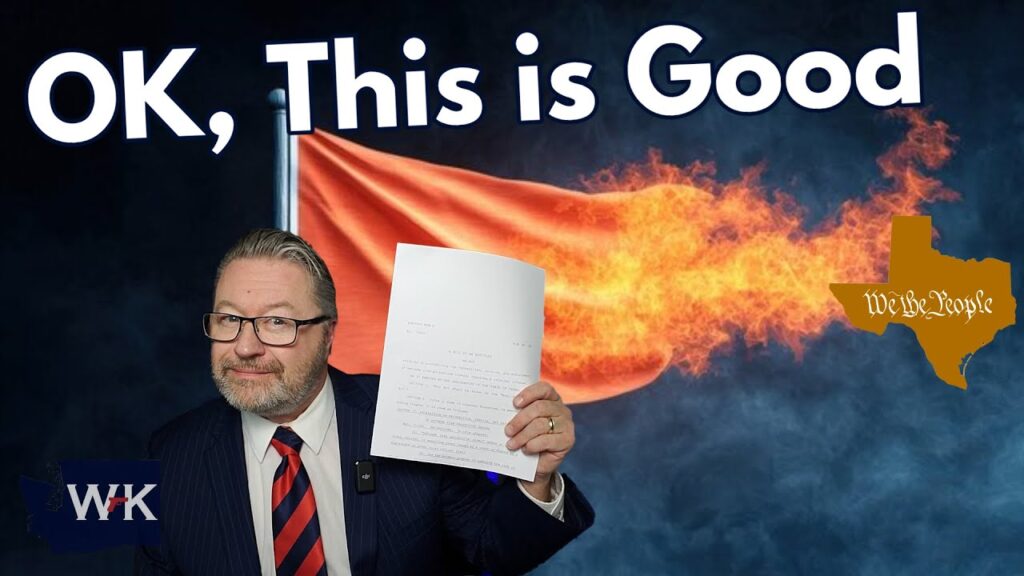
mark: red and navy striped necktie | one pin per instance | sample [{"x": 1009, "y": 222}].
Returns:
[{"x": 298, "y": 549}]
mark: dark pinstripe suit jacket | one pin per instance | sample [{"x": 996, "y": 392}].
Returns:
[{"x": 421, "y": 519}]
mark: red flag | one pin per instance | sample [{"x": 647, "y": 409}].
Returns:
[
  {"x": 671, "y": 272},
  {"x": 356, "y": 204}
]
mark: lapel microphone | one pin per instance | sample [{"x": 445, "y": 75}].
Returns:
[{"x": 365, "y": 479}]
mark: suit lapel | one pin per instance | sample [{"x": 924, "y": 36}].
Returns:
[
  {"x": 354, "y": 411},
  {"x": 225, "y": 464}
]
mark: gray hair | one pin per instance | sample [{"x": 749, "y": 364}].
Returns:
[{"x": 280, "y": 245}]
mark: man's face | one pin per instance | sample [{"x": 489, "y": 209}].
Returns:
[{"x": 272, "y": 381}]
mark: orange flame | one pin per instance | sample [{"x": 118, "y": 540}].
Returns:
[{"x": 689, "y": 263}]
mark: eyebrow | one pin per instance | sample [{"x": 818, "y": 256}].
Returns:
[{"x": 225, "y": 303}]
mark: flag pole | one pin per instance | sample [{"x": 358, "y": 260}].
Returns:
[
  {"x": 286, "y": 215},
  {"x": 281, "y": 176}
]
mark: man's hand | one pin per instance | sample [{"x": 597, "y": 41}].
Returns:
[{"x": 544, "y": 427}]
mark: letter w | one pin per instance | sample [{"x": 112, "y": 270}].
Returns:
[{"x": 92, "y": 496}]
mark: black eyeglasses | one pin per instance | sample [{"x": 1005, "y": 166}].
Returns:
[{"x": 271, "y": 330}]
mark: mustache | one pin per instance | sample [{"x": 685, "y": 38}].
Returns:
[{"x": 274, "y": 367}]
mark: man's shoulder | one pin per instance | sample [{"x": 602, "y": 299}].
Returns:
[
  {"x": 193, "y": 429},
  {"x": 358, "y": 390}
]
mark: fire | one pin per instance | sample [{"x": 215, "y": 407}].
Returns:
[
  {"x": 657, "y": 266},
  {"x": 689, "y": 264}
]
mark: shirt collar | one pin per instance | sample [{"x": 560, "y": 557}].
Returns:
[{"x": 311, "y": 425}]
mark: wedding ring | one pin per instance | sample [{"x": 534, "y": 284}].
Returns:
[{"x": 551, "y": 425}]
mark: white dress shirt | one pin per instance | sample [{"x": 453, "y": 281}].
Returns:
[{"x": 321, "y": 457}]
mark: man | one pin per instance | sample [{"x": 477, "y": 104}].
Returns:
[{"x": 264, "y": 480}]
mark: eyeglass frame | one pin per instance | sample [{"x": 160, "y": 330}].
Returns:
[{"x": 252, "y": 320}]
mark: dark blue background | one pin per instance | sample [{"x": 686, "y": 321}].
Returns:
[
  {"x": 856, "y": 460},
  {"x": 53, "y": 515}
]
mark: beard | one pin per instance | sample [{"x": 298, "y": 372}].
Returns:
[{"x": 285, "y": 391}]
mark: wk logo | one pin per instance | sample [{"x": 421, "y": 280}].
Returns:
[
  {"x": 96, "y": 504},
  {"x": 131, "y": 500}
]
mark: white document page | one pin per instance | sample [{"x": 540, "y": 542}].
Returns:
[{"x": 463, "y": 338}]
